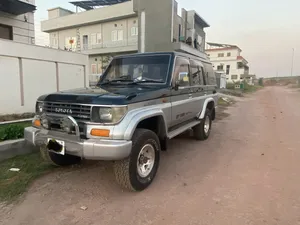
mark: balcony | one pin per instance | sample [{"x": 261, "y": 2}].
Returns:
[
  {"x": 127, "y": 45},
  {"x": 16, "y": 7}
]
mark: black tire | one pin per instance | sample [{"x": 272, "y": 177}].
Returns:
[
  {"x": 199, "y": 131},
  {"x": 126, "y": 171},
  {"x": 59, "y": 160}
]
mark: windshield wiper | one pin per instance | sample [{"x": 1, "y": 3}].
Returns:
[
  {"x": 116, "y": 80},
  {"x": 147, "y": 81}
]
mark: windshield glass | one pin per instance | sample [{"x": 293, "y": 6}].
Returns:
[{"x": 138, "y": 68}]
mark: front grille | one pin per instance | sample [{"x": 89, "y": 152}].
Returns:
[{"x": 78, "y": 112}]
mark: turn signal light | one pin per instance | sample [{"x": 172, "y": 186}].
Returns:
[
  {"x": 37, "y": 123},
  {"x": 100, "y": 132}
]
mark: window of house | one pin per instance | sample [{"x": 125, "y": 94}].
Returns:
[
  {"x": 181, "y": 72},
  {"x": 6, "y": 32},
  {"x": 96, "y": 38},
  {"x": 220, "y": 67},
  {"x": 94, "y": 68},
  {"x": 117, "y": 35},
  {"x": 240, "y": 65},
  {"x": 196, "y": 73},
  {"x": 120, "y": 35},
  {"x": 227, "y": 69},
  {"x": 134, "y": 31},
  {"x": 234, "y": 77},
  {"x": 228, "y": 54},
  {"x": 221, "y": 55},
  {"x": 114, "y": 35}
]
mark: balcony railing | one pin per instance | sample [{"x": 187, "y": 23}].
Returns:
[{"x": 111, "y": 44}]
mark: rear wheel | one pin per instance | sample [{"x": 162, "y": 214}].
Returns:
[
  {"x": 59, "y": 160},
  {"x": 137, "y": 172},
  {"x": 202, "y": 130}
]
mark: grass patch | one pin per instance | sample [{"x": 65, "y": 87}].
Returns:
[
  {"x": 225, "y": 101},
  {"x": 251, "y": 88},
  {"x": 13, "y": 131},
  {"x": 13, "y": 184},
  {"x": 11, "y": 117},
  {"x": 221, "y": 101},
  {"x": 232, "y": 92}
]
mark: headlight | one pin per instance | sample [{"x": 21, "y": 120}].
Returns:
[
  {"x": 39, "y": 108},
  {"x": 108, "y": 115}
]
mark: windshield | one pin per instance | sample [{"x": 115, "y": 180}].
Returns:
[{"x": 152, "y": 69}]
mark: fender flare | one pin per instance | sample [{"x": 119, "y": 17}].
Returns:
[
  {"x": 208, "y": 100},
  {"x": 140, "y": 116}
]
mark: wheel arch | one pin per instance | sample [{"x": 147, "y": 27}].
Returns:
[
  {"x": 210, "y": 104},
  {"x": 153, "y": 120}
]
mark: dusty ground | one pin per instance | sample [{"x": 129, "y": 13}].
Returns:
[{"x": 246, "y": 173}]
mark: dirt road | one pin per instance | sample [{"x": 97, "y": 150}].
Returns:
[{"x": 246, "y": 173}]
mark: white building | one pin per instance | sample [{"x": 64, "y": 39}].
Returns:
[
  {"x": 227, "y": 60},
  {"x": 17, "y": 20},
  {"x": 100, "y": 32},
  {"x": 112, "y": 27}
]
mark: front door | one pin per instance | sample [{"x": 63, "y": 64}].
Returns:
[{"x": 181, "y": 97}]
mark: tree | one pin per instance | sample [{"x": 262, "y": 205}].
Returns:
[{"x": 105, "y": 61}]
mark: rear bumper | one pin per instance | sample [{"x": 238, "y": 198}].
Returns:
[{"x": 93, "y": 149}]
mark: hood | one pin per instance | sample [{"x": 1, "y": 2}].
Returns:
[{"x": 108, "y": 95}]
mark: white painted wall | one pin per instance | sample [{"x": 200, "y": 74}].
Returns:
[
  {"x": 23, "y": 31},
  {"x": 102, "y": 33},
  {"x": 28, "y": 71},
  {"x": 121, "y": 10}
]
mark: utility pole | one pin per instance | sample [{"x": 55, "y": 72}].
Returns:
[{"x": 293, "y": 53}]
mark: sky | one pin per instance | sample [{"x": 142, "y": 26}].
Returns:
[{"x": 265, "y": 30}]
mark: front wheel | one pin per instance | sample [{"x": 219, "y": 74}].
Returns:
[
  {"x": 202, "y": 130},
  {"x": 137, "y": 172}
]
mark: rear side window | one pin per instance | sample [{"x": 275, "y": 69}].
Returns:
[
  {"x": 181, "y": 72},
  {"x": 209, "y": 74},
  {"x": 196, "y": 73}
]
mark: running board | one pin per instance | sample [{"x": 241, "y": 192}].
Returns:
[{"x": 182, "y": 129}]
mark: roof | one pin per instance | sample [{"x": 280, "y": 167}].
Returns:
[
  {"x": 61, "y": 9},
  {"x": 241, "y": 58},
  {"x": 219, "y": 46},
  {"x": 200, "y": 20},
  {"x": 88, "y": 5},
  {"x": 16, "y": 7}
]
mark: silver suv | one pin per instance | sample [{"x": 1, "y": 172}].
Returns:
[{"x": 140, "y": 102}]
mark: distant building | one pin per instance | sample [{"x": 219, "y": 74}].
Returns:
[
  {"x": 110, "y": 27},
  {"x": 17, "y": 20},
  {"x": 227, "y": 60}
]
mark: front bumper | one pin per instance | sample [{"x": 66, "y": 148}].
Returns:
[{"x": 93, "y": 149}]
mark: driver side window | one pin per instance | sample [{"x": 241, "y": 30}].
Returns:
[{"x": 181, "y": 72}]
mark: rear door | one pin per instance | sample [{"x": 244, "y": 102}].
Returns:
[
  {"x": 198, "y": 88},
  {"x": 211, "y": 81}
]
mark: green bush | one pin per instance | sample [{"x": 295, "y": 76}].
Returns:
[
  {"x": 230, "y": 86},
  {"x": 12, "y": 131}
]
